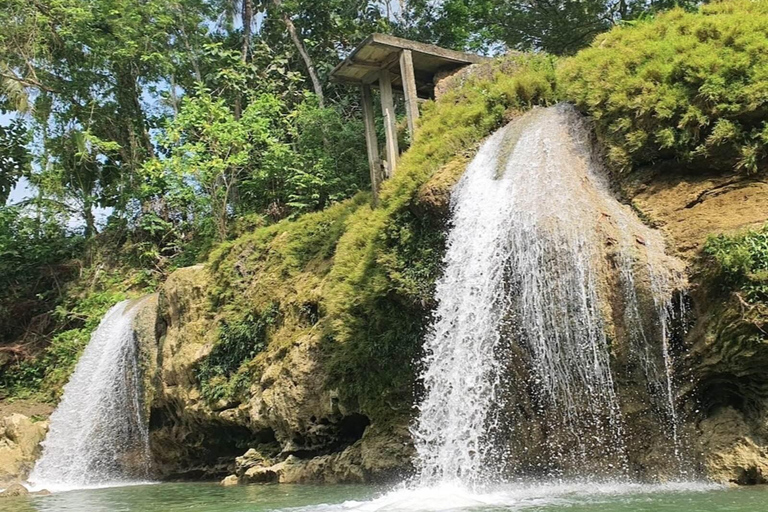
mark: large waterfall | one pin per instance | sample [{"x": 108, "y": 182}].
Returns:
[
  {"x": 97, "y": 434},
  {"x": 550, "y": 284}
]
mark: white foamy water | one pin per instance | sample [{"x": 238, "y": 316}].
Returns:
[
  {"x": 510, "y": 497},
  {"x": 98, "y": 437},
  {"x": 518, "y": 367}
]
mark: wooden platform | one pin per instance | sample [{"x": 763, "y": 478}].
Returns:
[
  {"x": 380, "y": 51},
  {"x": 393, "y": 65}
]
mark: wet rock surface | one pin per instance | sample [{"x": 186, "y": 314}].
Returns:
[
  {"x": 722, "y": 358},
  {"x": 20, "y": 439}
]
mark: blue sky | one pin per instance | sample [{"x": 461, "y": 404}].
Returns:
[{"x": 21, "y": 191}]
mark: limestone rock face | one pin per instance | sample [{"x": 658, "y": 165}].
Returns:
[
  {"x": 733, "y": 454},
  {"x": 291, "y": 427},
  {"x": 187, "y": 438},
  {"x": 690, "y": 206},
  {"x": 722, "y": 361},
  {"x": 20, "y": 439}
]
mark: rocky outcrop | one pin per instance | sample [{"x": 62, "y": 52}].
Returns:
[
  {"x": 290, "y": 427},
  {"x": 20, "y": 439},
  {"x": 188, "y": 438},
  {"x": 692, "y": 205},
  {"x": 381, "y": 454},
  {"x": 722, "y": 359}
]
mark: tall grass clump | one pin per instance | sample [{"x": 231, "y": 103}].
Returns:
[{"x": 685, "y": 86}]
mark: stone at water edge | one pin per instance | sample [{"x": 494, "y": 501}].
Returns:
[
  {"x": 14, "y": 490},
  {"x": 20, "y": 439},
  {"x": 229, "y": 481},
  {"x": 261, "y": 475}
]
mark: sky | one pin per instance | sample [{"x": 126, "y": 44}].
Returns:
[{"x": 22, "y": 190}]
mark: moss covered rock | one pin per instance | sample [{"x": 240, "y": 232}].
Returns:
[{"x": 298, "y": 339}]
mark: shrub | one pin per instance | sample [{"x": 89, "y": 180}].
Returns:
[
  {"x": 239, "y": 341},
  {"x": 690, "y": 86},
  {"x": 741, "y": 262}
]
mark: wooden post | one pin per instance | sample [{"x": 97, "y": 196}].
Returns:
[
  {"x": 374, "y": 162},
  {"x": 390, "y": 129},
  {"x": 409, "y": 89}
]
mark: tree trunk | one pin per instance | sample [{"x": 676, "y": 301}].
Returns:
[
  {"x": 303, "y": 52},
  {"x": 90, "y": 221},
  {"x": 129, "y": 107},
  {"x": 247, "y": 16},
  {"x": 246, "y": 13}
]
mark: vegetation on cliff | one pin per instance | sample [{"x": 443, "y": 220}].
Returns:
[
  {"x": 688, "y": 86},
  {"x": 740, "y": 263},
  {"x": 360, "y": 279},
  {"x": 266, "y": 183}
]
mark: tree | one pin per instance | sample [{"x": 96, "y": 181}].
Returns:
[
  {"x": 555, "y": 26},
  {"x": 297, "y": 41},
  {"x": 85, "y": 67},
  {"x": 14, "y": 157}
]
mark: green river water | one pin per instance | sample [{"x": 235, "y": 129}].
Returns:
[{"x": 583, "y": 497}]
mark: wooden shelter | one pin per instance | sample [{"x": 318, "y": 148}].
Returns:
[{"x": 394, "y": 65}]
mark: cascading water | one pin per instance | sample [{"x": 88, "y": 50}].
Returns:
[
  {"x": 518, "y": 369},
  {"x": 97, "y": 434}
]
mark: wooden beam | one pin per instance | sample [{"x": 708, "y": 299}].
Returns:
[
  {"x": 409, "y": 89},
  {"x": 423, "y": 48},
  {"x": 359, "y": 63},
  {"x": 371, "y": 143},
  {"x": 390, "y": 128}
]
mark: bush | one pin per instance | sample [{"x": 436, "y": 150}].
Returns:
[
  {"x": 44, "y": 375},
  {"x": 239, "y": 342},
  {"x": 741, "y": 262},
  {"x": 33, "y": 255},
  {"x": 690, "y": 86}
]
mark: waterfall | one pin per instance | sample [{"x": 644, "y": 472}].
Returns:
[
  {"x": 97, "y": 434},
  {"x": 541, "y": 260}
]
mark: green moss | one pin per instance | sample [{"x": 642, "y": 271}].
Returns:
[
  {"x": 221, "y": 375},
  {"x": 359, "y": 281},
  {"x": 688, "y": 86}
]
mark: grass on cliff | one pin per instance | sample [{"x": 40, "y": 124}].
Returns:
[
  {"x": 741, "y": 262},
  {"x": 356, "y": 281},
  {"x": 686, "y": 86}
]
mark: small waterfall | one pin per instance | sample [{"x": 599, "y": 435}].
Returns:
[
  {"x": 98, "y": 435},
  {"x": 541, "y": 259}
]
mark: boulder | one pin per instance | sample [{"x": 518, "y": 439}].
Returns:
[
  {"x": 14, "y": 490},
  {"x": 20, "y": 439},
  {"x": 230, "y": 481},
  {"x": 261, "y": 475}
]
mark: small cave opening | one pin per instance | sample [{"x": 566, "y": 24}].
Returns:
[
  {"x": 725, "y": 390},
  {"x": 326, "y": 436},
  {"x": 352, "y": 427},
  {"x": 265, "y": 436},
  {"x": 186, "y": 447}
]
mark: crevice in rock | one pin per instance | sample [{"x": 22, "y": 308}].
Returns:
[
  {"x": 722, "y": 188},
  {"x": 191, "y": 446},
  {"x": 327, "y": 436}
]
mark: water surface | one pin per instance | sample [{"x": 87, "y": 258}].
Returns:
[{"x": 209, "y": 497}]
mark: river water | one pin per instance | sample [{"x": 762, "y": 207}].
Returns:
[{"x": 210, "y": 497}]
